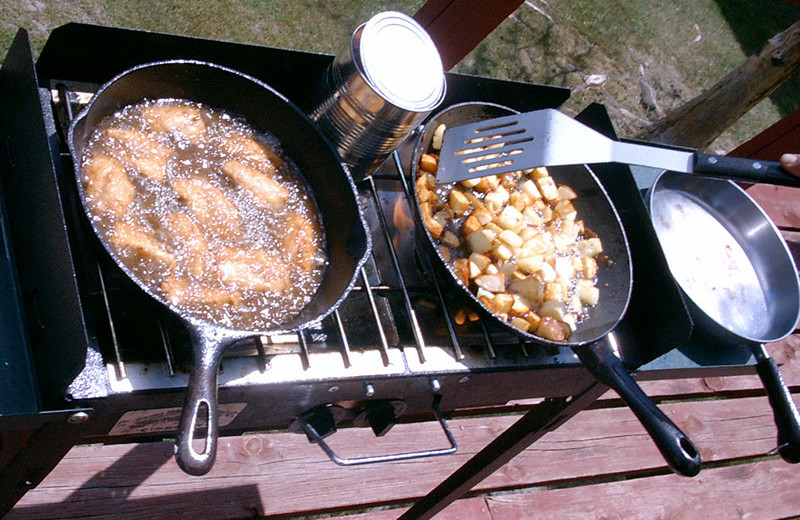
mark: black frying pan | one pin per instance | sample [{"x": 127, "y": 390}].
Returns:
[
  {"x": 738, "y": 275},
  {"x": 347, "y": 238},
  {"x": 592, "y": 341}
]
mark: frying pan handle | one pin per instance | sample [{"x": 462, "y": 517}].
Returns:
[
  {"x": 745, "y": 170},
  {"x": 783, "y": 407},
  {"x": 200, "y": 403},
  {"x": 678, "y": 450}
]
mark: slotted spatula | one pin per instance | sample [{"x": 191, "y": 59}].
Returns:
[{"x": 549, "y": 138}]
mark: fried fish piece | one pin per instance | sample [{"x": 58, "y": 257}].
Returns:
[
  {"x": 180, "y": 120},
  {"x": 299, "y": 242},
  {"x": 212, "y": 209},
  {"x": 259, "y": 270},
  {"x": 249, "y": 149},
  {"x": 264, "y": 188},
  {"x": 141, "y": 241},
  {"x": 108, "y": 186},
  {"x": 146, "y": 155},
  {"x": 180, "y": 291},
  {"x": 192, "y": 248}
]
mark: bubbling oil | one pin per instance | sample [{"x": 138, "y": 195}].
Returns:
[{"x": 217, "y": 253}]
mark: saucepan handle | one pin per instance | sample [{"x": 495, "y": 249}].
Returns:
[
  {"x": 744, "y": 170},
  {"x": 677, "y": 449},
  {"x": 201, "y": 403},
  {"x": 787, "y": 419}
]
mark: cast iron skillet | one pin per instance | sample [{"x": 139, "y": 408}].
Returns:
[
  {"x": 593, "y": 338},
  {"x": 347, "y": 237},
  {"x": 700, "y": 223}
]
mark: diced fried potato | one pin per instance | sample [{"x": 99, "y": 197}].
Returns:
[
  {"x": 590, "y": 247},
  {"x": 470, "y": 225},
  {"x": 503, "y": 303},
  {"x": 486, "y": 298},
  {"x": 450, "y": 239},
  {"x": 461, "y": 269},
  {"x": 502, "y": 251},
  {"x": 554, "y": 309},
  {"x": 587, "y": 292},
  {"x": 496, "y": 199},
  {"x": 491, "y": 282},
  {"x": 438, "y": 137},
  {"x": 538, "y": 173},
  {"x": 520, "y": 323},
  {"x": 446, "y": 252},
  {"x": 530, "y": 288},
  {"x": 564, "y": 268},
  {"x": 470, "y": 183},
  {"x": 553, "y": 291},
  {"x": 480, "y": 241},
  {"x": 480, "y": 260},
  {"x": 589, "y": 267},
  {"x": 461, "y": 317},
  {"x": 552, "y": 329},
  {"x": 536, "y": 245},
  {"x": 547, "y": 187},
  {"x": 434, "y": 227},
  {"x": 508, "y": 269},
  {"x": 459, "y": 202},
  {"x": 510, "y": 218},
  {"x": 510, "y": 238},
  {"x": 529, "y": 187},
  {"x": 517, "y": 200},
  {"x": 547, "y": 272},
  {"x": 534, "y": 319},
  {"x": 530, "y": 264},
  {"x": 565, "y": 210},
  {"x": 519, "y": 305},
  {"x": 429, "y": 163},
  {"x": 567, "y": 193},
  {"x": 474, "y": 269},
  {"x": 483, "y": 214}
]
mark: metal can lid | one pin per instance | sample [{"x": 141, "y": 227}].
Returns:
[{"x": 401, "y": 62}]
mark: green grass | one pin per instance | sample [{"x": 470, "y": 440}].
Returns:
[{"x": 677, "y": 48}]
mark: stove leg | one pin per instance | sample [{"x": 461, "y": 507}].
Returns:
[
  {"x": 33, "y": 453},
  {"x": 532, "y": 426}
]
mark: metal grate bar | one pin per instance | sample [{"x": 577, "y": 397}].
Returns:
[
  {"x": 301, "y": 336},
  {"x": 412, "y": 315},
  {"x": 165, "y": 341},
  {"x": 488, "y": 338},
  {"x": 343, "y": 336},
  {"x": 261, "y": 355},
  {"x": 374, "y": 308},
  {"x": 117, "y": 354}
]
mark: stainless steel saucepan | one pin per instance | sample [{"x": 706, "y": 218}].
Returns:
[{"x": 738, "y": 275}]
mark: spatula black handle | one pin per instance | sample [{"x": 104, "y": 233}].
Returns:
[{"x": 744, "y": 170}]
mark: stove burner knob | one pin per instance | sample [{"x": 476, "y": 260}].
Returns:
[
  {"x": 322, "y": 419},
  {"x": 380, "y": 416}
]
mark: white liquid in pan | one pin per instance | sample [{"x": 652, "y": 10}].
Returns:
[{"x": 709, "y": 264}]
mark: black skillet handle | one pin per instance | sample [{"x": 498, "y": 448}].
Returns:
[
  {"x": 787, "y": 418},
  {"x": 678, "y": 450},
  {"x": 744, "y": 170},
  {"x": 200, "y": 403}
]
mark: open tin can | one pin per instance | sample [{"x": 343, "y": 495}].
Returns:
[{"x": 378, "y": 90}]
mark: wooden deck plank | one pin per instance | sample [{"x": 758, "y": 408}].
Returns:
[
  {"x": 764, "y": 490},
  {"x": 280, "y": 474}
]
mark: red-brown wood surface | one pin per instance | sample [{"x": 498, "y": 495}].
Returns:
[
  {"x": 281, "y": 474},
  {"x": 457, "y": 26}
]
